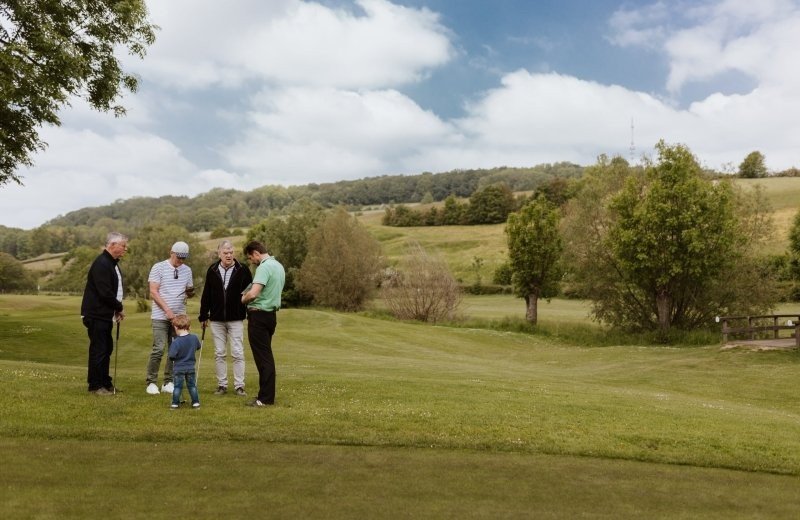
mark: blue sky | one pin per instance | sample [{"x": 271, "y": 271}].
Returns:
[{"x": 248, "y": 93}]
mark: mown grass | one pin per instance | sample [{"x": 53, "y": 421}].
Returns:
[{"x": 377, "y": 418}]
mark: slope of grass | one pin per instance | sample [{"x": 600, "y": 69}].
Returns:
[
  {"x": 457, "y": 245},
  {"x": 402, "y": 420}
]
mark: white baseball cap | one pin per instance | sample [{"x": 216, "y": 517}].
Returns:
[{"x": 181, "y": 249}]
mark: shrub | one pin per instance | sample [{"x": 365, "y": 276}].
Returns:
[{"x": 422, "y": 288}]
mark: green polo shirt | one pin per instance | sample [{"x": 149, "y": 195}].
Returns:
[{"x": 271, "y": 275}]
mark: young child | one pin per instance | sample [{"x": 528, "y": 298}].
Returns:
[{"x": 181, "y": 351}]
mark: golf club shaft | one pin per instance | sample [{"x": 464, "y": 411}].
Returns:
[
  {"x": 200, "y": 357},
  {"x": 116, "y": 353}
]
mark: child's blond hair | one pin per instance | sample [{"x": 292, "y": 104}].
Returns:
[{"x": 181, "y": 322}]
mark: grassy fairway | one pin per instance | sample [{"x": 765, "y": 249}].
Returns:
[{"x": 383, "y": 419}]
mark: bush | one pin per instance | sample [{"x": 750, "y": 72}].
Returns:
[
  {"x": 13, "y": 276},
  {"x": 219, "y": 232},
  {"x": 503, "y": 273},
  {"x": 422, "y": 288}
]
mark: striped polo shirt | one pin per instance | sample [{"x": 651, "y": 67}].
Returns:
[{"x": 171, "y": 289}]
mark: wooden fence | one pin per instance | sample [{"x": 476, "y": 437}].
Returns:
[{"x": 767, "y": 327}]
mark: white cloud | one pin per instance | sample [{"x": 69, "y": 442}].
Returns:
[
  {"x": 705, "y": 39},
  {"x": 535, "y": 118},
  {"x": 293, "y": 42},
  {"x": 81, "y": 168},
  {"x": 761, "y": 43},
  {"x": 641, "y": 27},
  {"x": 299, "y": 135}
]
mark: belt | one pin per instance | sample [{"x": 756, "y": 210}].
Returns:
[{"x": 253, "y": 309}]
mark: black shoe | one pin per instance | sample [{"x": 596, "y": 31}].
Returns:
[
  {"x": 240, "y": 391},
  {"x": 221, "y": 391}
]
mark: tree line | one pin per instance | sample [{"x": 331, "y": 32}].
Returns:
[
  {"x": 223, "y": 209},
  {"x": 489, "y": 205}
]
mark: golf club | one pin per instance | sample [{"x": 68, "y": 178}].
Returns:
[
  {"x": 116, "y": 353},
  {"x": 200, "y": 357}
]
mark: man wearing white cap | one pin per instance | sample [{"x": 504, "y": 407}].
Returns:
[{"x": 170, "y": 284}]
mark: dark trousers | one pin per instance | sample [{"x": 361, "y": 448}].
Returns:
[
  {"x": 260, "y": 328},
  {"x": 101, "y": 345}
]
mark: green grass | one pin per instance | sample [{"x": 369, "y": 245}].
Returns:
[
  {"x": 457, "y": 245},
  {"x": 782, "y": 192},
  {"x": 377, "y": 418}
]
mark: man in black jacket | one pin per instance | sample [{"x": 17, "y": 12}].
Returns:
[
  {"x": 100, "y": 308},
  {"x": 221, "y": 303}
]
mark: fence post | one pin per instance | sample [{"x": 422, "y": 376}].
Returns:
[
  {"x": 797, "y": 334},
  {"x": 750, "y": 326},
  {"x": 775, "y": 324},
  {"x": 725, "y": 331}
]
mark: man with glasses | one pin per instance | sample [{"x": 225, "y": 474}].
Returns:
[
  {"x": 226, "y": 279},
  {"x": 170, "y": 284}
]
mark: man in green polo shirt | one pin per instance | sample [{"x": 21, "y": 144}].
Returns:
[{"x": 263, "y": 300}]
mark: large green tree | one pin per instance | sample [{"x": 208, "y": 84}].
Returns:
[
  {"x": 668, "y": 249},
  {"x": 53, "y": 50},
  {"x": 534, "y": 250}
]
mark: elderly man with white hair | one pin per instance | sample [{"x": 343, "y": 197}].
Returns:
[{"x": 221, "y": 304}]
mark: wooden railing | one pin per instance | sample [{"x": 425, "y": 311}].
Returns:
[{"x": 755, "y": 327}]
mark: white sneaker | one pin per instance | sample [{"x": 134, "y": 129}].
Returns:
[
  {"x": 152, "y": 389},
  {"x": 167, "y": 388}
]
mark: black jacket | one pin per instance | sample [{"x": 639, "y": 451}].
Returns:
[
  {"x": 100, "y": 295},
  {"x": 218, "y": 304}
]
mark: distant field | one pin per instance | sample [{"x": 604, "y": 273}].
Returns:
[
  {"x": 783, "y": 194},
  {"x": 460, "y": 245},
  {"x": 45, "y": 263},
  {"x": 457, "y": 245}
]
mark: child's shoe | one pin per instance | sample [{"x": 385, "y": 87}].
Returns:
[
  {"x": 196, "y": 405},
  {"x": 174, "y": 406}
]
